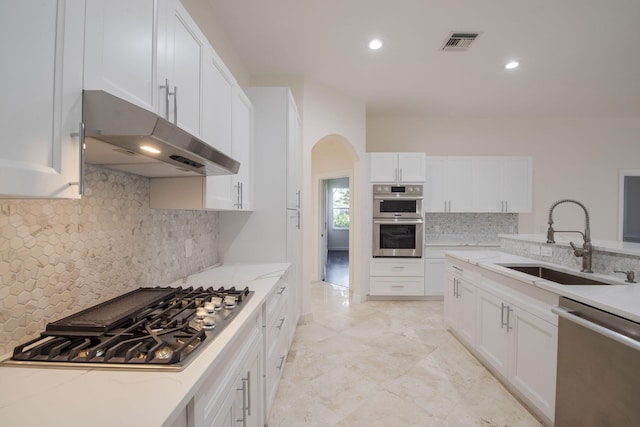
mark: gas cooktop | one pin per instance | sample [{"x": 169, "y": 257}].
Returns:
[{"x": 148, "y": 328}]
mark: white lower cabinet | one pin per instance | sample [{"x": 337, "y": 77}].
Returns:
[
  {"x": 435, "y": 266},
  {"x": 233, "y": 394},
  {"x": 276, "y": 341},
  {"x": 396, "y": 277},
  {"x": 460, "y": 304},
  {"x": 519, "y": 345},
  {"x": 510, "y": 327},
  {"x": 493, "y": 327},
  {"x": 434, "y": 276}
]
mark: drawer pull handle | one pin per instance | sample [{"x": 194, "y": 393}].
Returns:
[
  {"x": 397, "y": 286},
  {"x": 282, "y": 359},
  {"x": 282, "y": 289},
  {"x": 399, "y": 267},
  {"x": 281, "y": 323}
]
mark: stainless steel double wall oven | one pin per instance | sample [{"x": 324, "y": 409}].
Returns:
[{"x": 398, "y": 226}]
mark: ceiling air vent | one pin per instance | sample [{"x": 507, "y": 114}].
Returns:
[{"x": 459, "y": 41}]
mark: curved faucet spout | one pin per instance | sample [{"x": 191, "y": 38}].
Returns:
[{"x": 586, "y": 250}]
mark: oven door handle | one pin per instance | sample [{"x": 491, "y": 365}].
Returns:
[
  {"x": 616, "y": 336},
  {"x": 399, "y": 221}
]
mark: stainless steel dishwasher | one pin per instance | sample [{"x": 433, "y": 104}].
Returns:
[{"x": 598, "y": 378}]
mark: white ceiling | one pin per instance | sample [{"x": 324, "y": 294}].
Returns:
[{"x": 578, "y": 57}]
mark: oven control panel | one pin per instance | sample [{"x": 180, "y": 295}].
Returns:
[{"x": 401, "y": 190}]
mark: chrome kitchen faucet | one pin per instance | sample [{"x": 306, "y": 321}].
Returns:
[{"x": 587, "y": 250}]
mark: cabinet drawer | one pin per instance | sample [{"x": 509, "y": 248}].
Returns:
[
  {"x": 399, "y": 286},
  {"x": 275, "y": 299},
  {"x": 277, "y": 327},
  {"x": 397, "y": 267},
  {"x": 274, "y": 367}
]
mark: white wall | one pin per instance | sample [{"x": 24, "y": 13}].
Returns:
[
  {"x": 328, "y": 112},
  {"x": 572, "y": 158}
]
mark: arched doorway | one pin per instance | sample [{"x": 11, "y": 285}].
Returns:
[{"x": 332, "y": 161}]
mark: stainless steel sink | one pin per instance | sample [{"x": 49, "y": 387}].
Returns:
[{"x": 553, "y": 275}]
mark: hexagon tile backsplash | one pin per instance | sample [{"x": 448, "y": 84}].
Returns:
[{"x": 61, "y": 256}]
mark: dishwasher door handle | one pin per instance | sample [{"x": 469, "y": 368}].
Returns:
[{"x": 616, "y": 336}]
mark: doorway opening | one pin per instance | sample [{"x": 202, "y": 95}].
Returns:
[{"x": 336, "y": 214}]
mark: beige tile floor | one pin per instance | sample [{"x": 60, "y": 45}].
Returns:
[{"x": 387, "y": 364}]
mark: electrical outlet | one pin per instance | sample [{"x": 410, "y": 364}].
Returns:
[
  {"x": 534, "y": 250},
  {"x": 188, "y": 248},
  {"x": 546, "y": 251}
]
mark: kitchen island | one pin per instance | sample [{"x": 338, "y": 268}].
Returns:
[
  {"x": 620, "y": 298},
  {"x": 108, "y": 397},
  {"x": 507, "y": 317}
]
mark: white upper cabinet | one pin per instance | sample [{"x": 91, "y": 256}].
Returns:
[
  {"x": 502, "y": 184},
  {"x": 478, "y": 184},
  {"x": 217, "y": 99},
  {"x": 294, "y": 160},
  {"x": 42, "y": 48},
  {"x": 517, "y": 184},
  {"x": 242, "y": 150},
  {"x": 411, "y": 167},
  {"x": 152, "y": 54},
  {"x": 181, "y": 55},
  {"x": 120, "y": 50},
  {"x": 217, "y": 108},
  {"x": 384, "y": 167},
  {"x": 397, "y": 167},
  {"x": 448, "y": 184}
]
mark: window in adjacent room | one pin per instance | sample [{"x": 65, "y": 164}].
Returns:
[
  {"x": 341, "y": 197},
  {"x": 630, "y": 205}
]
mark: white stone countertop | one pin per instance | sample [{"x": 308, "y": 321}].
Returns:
[
  {"x": 107, "y": 397},
  {"x": 465, "y": 244},
  {"x": 612, "y": 246},
  {"x": 620, "y": 298}
]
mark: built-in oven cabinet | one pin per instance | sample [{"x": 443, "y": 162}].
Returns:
[
  {"x": 234, "y": 391},
  {"x": 42, "y": 48},
  {"x": 396, "y": 277},
  {"x": 397, "y": 167}
]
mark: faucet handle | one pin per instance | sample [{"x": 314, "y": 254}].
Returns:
[
  {"x": 577, "y": 251},
  {"x": 631, "y": 275}
]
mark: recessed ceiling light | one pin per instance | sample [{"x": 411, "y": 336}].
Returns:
[
  {"x": 511, "y": 65},
  {"x": 149, "y": 149},
  {"x": 375, "y": 44}
]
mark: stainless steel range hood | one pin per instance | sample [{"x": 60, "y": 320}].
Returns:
[{"x": 116, "y": 132}]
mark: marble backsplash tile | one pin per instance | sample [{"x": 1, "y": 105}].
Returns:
[
  {"x": 60, "y": 256},
  {"x": 469, "y": 227}
]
